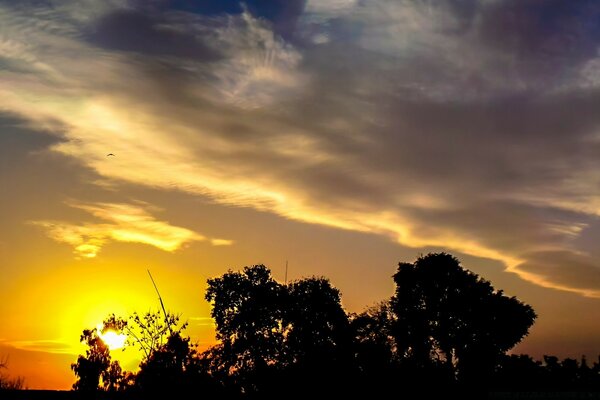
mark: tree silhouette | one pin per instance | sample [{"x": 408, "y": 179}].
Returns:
[
  {"x": 90, "y": 368},
  {"x": 445, "y": 328},
  {"x": 247, "y": 309},
  {"x": 272, "y": 334},
  {"x": 148, "y": 332},
  {"x": 170, "y": 363},
  {"x": 450, "y": 317},
  {"x": 317, "y": 335},
  {"x": 170, "y": 368},
  {"x": 374, "y": 348}
]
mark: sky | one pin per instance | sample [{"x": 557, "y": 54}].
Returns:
[{"x": 343, "y": 136}]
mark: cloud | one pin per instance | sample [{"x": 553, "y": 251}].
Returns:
[
  {"x": 130, "y": 223},
  {"x": 48, "y": 346},
  {"x": 221, "y": 242},
  {"x": 414, "y": 120},
  {"x": 569, "y": 270},
  {"x": 152, "y": 34}
]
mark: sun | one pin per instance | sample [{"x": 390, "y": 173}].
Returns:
[{"x": 112, "y": 339}]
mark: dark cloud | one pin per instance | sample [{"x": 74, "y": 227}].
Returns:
[
  {"x": 542, "y": 28},
  {"x": 151, "y": 34},
  {"x": 545, "y": 38}
]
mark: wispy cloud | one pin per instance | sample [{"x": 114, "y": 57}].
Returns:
[
  {"x": 47, "y": 346},
  {"x": 414, "y": 120},
  {"x": 130, "y": 223}
]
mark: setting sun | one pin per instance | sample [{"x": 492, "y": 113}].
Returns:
[{"x": 112, "y": 339}]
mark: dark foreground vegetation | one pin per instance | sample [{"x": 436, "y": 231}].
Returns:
[{"x": 445, "y": 329}]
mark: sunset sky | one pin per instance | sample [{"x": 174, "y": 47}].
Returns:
[{"x": 344, "y": 136}]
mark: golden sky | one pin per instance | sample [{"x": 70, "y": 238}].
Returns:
[{"x": 342, "y": 136}]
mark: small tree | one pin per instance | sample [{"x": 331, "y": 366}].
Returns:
[
  {"x": 170, "y": 361},
  {"x": 90, "y": 368},
  {"x": 168, "y": 367},
  {"x": 148, "y": 332}
]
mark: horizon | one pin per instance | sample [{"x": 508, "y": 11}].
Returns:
[{"x": 344, "y": 137}]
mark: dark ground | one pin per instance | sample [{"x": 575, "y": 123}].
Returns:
[{"x": 67, "y": 395}]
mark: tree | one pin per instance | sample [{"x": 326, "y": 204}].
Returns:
[
  {"x": 373, "y": 340},
  {"x": 247, "y": 308},
  {"x": 166, "y": 354},
  {"x": 149, "y": 332},
  {"x": 447, "y": 316},
  {"x": 90, "y": 368},
  {"x": 170, "y": 362},
  {"x": 317, "y": 331},
  {"x": 168, "y": 367},
  {"x": 273, "y": 334},
  {"x": 114, "y": 379},
  {"x": 318, "y": 342}
]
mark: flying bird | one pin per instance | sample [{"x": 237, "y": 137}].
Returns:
[{"x": 110, "y": 154}]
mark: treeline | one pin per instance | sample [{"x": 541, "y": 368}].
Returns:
[{"x": 444, "y": 329}]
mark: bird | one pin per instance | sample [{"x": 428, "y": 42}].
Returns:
[{"x": 110, "y": 154}]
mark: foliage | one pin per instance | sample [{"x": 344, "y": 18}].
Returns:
[
  {"x": 153, "y": 334},
  {"x": 373, "y": 340},
  {"x": 318, "y": 329},
  {"x": 94, "y": 366},
  {"x": 272, "y": 333},
  {"x": 169, "y": 359},
  {"x": 450, "y": 316},
  {"x": 445, "y": 328},
  {"x": 148, "y": 332},
  {"x": 248, "y": 313}
]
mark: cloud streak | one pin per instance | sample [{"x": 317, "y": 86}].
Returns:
[
  {"x": 129, "y": 223},
  {"x": 48, "y": 346},
  {"x": 413, "y": 120}
]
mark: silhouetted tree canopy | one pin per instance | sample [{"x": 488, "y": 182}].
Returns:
[
  {"x": 447, "y": 314},
  {"x": 170, "y": 363},
  {"x": 268, "y": 329},
  {"x": 318, "y": 340},
  {"x": 174, "y": 367},
  {"x": 445, "y": 329},
  {"x": 148, "y": 332},
  {"x": 317, "y": 331},
  {"x": 95, "y": 365},
  {"x": 373, "y": 340},
  {"x": 248, "y": 310}
]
